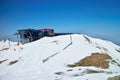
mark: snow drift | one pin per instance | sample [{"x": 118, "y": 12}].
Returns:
[{"x": 50, "y": 58}]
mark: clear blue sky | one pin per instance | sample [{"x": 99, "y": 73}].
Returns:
[{"x": 96, "y": 18}]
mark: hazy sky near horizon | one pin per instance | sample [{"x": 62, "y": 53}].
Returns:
[{"x": 97, "y": 18}]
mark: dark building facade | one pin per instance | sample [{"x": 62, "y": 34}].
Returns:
[{"x": 29, "y": 35}]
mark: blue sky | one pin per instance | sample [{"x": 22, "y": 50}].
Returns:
[{"x": 96, "y": 18}]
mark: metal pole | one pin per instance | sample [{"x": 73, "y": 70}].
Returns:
[
  {"x": 18, "y": 38},
  {"x": 71, "y": 39}
]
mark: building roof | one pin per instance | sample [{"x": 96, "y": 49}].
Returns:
[{"x": 46, "y": 29}]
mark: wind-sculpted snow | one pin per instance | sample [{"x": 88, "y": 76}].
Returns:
[{"x": 49, "y": 57}]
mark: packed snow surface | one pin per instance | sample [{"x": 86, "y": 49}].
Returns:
[{"x": 47, "y": 58}]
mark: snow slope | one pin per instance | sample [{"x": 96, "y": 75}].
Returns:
[
  {"x": 6, "y": 44},
  {"x": 47, "y": 59}
]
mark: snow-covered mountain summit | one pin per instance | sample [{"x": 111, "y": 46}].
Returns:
[{"x": 66, "y": 57}]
